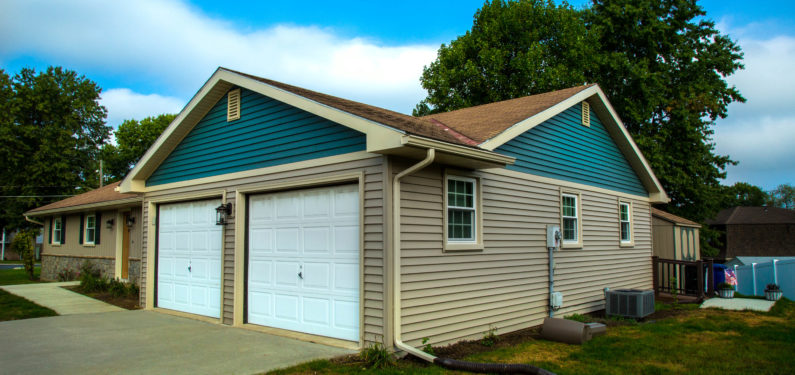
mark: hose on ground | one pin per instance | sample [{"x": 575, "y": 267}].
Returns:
[{"x": 499, "y": 368}]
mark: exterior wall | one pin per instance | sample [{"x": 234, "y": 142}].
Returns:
[
  {"x": 563, "y": 148},
  {"x": 760, "y": 240},
  {"x": 268, "y": 133},
  {"x": 450, "y": 296},
  {"x": 373, "y": 169},
  {"x": 663, "y": 235},
  {"x": 51, "y": 265}
]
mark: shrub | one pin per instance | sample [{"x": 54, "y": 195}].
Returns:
[
  {"x": 490, "y": 337},
  {"x": 376, "y": 356},
  {"x": 427, "y": 348},
  {"x": 118, "y": 288},
  {"x": 67, "y": 275},
  {"x": 23, "y": 245},
  {"x": 91, "y": 279}
]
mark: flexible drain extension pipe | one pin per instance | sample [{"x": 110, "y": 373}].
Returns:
[{"x": 396, "y": 299}]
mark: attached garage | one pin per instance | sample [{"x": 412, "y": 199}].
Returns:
[
  {"x": 303, "y": 260},
  {"x": 189, "y": 258}
]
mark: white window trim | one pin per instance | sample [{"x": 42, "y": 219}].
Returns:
[
  {"x": 56, "y": 223},
  {"x": 475, "y": 244},
  {"x": 572, "y": 244},
  {"x": 631, "y": 241},
  {"x": 85, "y": 230}
]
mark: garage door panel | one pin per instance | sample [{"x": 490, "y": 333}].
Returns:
[{"x": 315, "y": 233}]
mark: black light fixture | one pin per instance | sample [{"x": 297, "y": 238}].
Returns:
[
  {"x": 222, "y": 212},
  {"x": 109, "y": 224},
  {"x": 130, "y": 221}
]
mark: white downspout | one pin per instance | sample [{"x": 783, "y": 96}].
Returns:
[{"x": 396, "y": 255}]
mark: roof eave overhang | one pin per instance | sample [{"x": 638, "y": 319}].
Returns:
[
  {"x": 118, "y": 203},
  {"x": 598, "y": 100}
]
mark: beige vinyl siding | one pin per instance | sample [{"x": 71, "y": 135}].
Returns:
[
  {"x": 71, "y": 246},
  {"x": 136, "y": 233},
  {"x": 452, "y": 296},
  {"x": 663, "y": 234},
  {"x": 372, "y": 167}
]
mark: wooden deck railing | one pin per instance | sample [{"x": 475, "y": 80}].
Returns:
[{"x": 686, "y": 278}]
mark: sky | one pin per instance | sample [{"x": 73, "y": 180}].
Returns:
[{"x": 151, "y": 57}]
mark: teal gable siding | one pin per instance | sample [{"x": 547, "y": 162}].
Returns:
[
  {"x": 268, "y": 133},
  {"x": 563, "y": 148}
]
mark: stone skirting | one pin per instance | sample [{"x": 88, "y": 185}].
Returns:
[{"x": 52, "y": 265}]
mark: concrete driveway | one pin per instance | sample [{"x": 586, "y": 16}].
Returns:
[{"x": 145, "y": 342}]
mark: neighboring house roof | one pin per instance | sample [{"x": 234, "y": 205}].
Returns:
[
  {"x": 746, "y": 260},
  {"x": 673, "y": 218},
  {"x": 102, "y": 197},
  {"x": 753, "y": 215},
  {"x": 466, "y": 137}
]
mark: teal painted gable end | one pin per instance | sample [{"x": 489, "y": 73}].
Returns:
[
  {"x": 563, "y": 148},
  {"x": 268, "y": 133}
]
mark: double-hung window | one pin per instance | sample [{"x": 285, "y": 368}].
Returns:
[
  {"x": 461, "y": 209},
  {"x": 570, "y": 218},
  {"x": 90, "y": 229},
  {"x": 57, "y": 228},
  {"x": 625, "y": 222}
]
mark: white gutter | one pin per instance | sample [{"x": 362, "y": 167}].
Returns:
[
  {"x": 33, "y": 221},
  {"x": 396, "y": 255}
]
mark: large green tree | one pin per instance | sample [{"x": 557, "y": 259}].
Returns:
[
  {"x": 133, "y": 138},
  {"x": 744, "y": 194},
  {"x": 52, "y": 127},
  {"x": 661, "y": 63}
]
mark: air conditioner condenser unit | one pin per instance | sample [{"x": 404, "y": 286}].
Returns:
[{"x": 629, "y": 303}]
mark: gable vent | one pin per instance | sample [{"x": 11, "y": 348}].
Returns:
[
  {"x": 586, "y": 114},
  {"x": 233, "y": 105}
]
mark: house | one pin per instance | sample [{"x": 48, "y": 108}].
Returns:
[
  {"x": 674, "y": 237},
  {"x": 101, "y": 226},
  {"x": 272, "y": 207},
  {"x": 755, "y": 231}
]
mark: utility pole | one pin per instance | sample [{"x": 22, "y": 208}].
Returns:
[
  {"x": 101, "y": 179},
  {"x": 3, "y": 256}
]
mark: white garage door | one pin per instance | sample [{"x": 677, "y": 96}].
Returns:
[
  {"x": 189, "y": 258},
  {"x": 303, "y": 261}
]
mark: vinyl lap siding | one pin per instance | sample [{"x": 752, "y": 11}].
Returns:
[
  {"x": 72, "y": 247},
  {"x": 268, "y": 133},
  {"x": 373, "y": 263},
  {"x": 563, "y": 148},
  {"x": 450, "y": 296}
]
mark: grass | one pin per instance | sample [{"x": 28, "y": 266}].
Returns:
[
  {"x": 14, "y": 308},
  {"x": 689, "y": 341},
  {"x": 11, "y": 277}
]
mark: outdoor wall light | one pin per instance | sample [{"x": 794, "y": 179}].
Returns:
[
  {"x": 222, "y": 212},
  {"x": 130, "y": 221},
  {"x": 109, "y": 224}
]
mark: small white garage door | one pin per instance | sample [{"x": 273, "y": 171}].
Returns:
[
  {"x": 303, "y": 261},
  {"x": 189, "y": 258}
]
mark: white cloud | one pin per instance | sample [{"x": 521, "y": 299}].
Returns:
[
  {"x": 176, "y": 46},
  {"x": 124, "y": 104}
]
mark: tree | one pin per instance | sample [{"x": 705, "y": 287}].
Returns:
[
  {"x": 744, "y": 194},
  {"x": 783, "y": 196},
  {"x": 23, "y": 245},
  {"x": 133, "y": 138},
  {"x": 662, "y": 65},
  {"x": 52, "y": 126}
]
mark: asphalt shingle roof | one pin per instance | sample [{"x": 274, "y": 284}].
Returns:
[
  {"x": 754, "y": 215},
  {"x": 106, "y": 193}
]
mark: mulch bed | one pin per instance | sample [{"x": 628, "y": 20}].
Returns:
[{"x": 129, "y": 303}]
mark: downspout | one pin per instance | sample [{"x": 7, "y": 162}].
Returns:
[
  {"x": 443, "y": 362},
  {"x": 396, "y": 255}
]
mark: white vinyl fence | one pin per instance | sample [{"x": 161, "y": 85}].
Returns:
[{"x": 752, "y": 279}]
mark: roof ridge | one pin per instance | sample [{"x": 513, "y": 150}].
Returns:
[{"x": 455, "y": 133}]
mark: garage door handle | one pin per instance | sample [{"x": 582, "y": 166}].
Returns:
[{"x": 300, "y": 275}]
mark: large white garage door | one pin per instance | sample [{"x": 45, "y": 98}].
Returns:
[
  {"x": 189, "y": 258},
  {"x": 303, "y": 261}
]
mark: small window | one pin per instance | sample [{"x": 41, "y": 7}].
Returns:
[
  {"x": 570, "y": 215},
  {"x": 91, "y": 229},
  {"x": 461, "y": 212},
  {"x": 57, "y": 227},
  {"x": 625, "y": 222}
]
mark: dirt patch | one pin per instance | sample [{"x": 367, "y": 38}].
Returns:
[{"x": 129, "y": 303}]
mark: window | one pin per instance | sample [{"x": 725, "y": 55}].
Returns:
[
  {"x": 57, "y": 228},
  {"x": 461, "y": 212},
  {"x": 91, "y": 229},
  {"x": 571, "y": 232},
  {"x": 625, "y": 222}
]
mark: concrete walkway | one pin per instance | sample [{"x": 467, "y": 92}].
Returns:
[
  {"x": 145, "y": 342},
  {"x": 738, "y": 304},
  {"x": 62, "y": 301}
]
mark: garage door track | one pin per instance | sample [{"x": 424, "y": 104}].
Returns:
[{"x": 145, "y": 342}]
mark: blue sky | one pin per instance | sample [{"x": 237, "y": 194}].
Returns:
[{"x": 151, "y": 56}]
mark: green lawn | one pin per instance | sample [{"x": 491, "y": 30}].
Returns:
[
  {"x": 11, "y": 277},
  {"x": 14, "y": 308},
  {"x": 690, "y": 342}
]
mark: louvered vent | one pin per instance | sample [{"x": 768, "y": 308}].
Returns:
[
  {"x": 233, "y": 105},
  {"x": 586, "y": 114}
]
